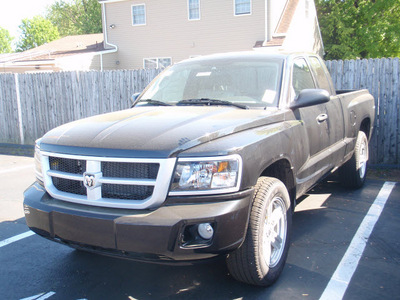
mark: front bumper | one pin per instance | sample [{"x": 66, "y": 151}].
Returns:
[{"x": 164, "y": 234}]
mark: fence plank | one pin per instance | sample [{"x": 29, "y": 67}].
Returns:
[
  {"x": 396, "y": 107},
  {"x": 8, "y": 110},
  {"x": 390, "y": 137}
]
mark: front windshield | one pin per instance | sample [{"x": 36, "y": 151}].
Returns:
[{"x": 251, "y": 82}]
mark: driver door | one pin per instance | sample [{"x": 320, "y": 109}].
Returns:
[{"x": 316, "y": 126}]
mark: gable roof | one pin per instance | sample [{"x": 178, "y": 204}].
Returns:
[
  {"x": 282, "y": 28},
  {"x": 66, "y": 46}
]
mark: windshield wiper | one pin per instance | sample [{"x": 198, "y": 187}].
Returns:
[
  {"x": 208, "y": 101},
  {"x": 155, "y": 102}
]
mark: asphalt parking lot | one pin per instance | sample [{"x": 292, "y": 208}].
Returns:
[{"x": 326, "y": 228}]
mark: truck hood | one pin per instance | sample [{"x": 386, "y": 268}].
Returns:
[{"x": 163, "y": 131}]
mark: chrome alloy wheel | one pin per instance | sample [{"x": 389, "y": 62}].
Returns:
[
  {"x": 274, "y": 233},
  {"x": 363, "y": 158}
]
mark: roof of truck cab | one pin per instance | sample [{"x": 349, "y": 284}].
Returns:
[
  {"x": 236, "y": 55},
  {"x": 256, "y": 55}
]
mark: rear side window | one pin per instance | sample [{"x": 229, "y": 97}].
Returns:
[
  {"x": 320, "y": 74},
  {"x": 301, "y": 77}
]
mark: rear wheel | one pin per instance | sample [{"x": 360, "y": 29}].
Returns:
[
  {"x": 353, "y": 173},
  {"x": 262, "y": 256}
]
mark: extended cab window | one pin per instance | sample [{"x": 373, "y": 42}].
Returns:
[
  {"x": 301, "y": 77},
  {"x": 320, "y": 73}
]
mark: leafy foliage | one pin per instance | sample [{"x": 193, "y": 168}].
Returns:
[
  {"x": 35, "y": 32},
  {"x": 5, "y": 41},
  {"x": 76, "y": 16},
  {"x": 359, "y": 28}
]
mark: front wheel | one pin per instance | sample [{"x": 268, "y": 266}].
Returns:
[
  {"x": 353, "y": 173},
  {"x": 262, "y": 256}
]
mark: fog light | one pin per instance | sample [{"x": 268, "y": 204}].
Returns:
[{"x": 205, "y": 230}]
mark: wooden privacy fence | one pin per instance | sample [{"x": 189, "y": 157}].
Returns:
[
  {"x": 32, "y": 104},
  {"x": 381, "y": 78}
]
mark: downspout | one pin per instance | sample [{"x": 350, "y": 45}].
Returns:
[
  {"x": 106, "y": 43},
  {"x": 268, "y": 20}
]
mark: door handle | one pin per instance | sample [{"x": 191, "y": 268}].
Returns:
[{"x": 322, "y": 117}]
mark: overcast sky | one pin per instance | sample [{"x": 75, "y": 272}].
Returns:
[{"x": 13, "y": 11}]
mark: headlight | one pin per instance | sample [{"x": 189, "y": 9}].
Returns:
[
  {"x": 38, "y": 163},
  {"x": 214, "y": 175}
]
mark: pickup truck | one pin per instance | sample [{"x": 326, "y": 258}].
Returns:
[{"x": 208, "y": 162}]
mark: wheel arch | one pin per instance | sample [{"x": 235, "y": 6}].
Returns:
[
  {"x": 366, "y": 127},
  {"x": 282, "y": 170}
]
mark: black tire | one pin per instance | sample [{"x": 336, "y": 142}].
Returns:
[
  {"x": 353, "y": 173},
  {"x": 260, "y": 260}
]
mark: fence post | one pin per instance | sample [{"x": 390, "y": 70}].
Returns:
[{"x": 21, "y": 128}]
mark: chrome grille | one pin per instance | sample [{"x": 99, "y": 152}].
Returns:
[{"x": 109, "y": 182}]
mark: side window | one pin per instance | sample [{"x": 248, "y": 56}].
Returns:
[
  {"x": 320, "y": 73},
  {"x": 157, "y": 62},
  {"x": 138, "y": 14},
  {"x": 242, "y": 7},
  {"x": 301, "y": 76},
  {"x": 194, "y": 9}
]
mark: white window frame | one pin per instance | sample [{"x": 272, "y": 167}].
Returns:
[
  {"x": 157, "y": 59},
  {"x": 242, "y": 14},
  {"x": 145, "y": 19},
  {"x": 188, "y": 8}
]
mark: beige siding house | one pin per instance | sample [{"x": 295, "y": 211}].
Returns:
[{"x": 150, "y": 34}]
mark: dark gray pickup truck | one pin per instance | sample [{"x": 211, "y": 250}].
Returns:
[{"x": 209, "y": 161}]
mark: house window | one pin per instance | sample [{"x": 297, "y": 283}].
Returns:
[
  {"x": 194, "y": 9},
  {"x": 138, "y": 14},
  {"x": 242, "y": 7},
  {"x": 157, "y": 62}
]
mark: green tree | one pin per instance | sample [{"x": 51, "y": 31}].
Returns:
[
  {"x": 75, "y": 17},
  {"x": 35, "y": 32},
  {"x": 5, "y": 41},
  {"x": 360, "y": 28}
]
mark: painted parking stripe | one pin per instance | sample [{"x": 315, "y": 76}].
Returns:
[
  {"x": 16, "y": 238},
  {"x": 41, "y": 296},
  {"x": 340, "y": 280}
]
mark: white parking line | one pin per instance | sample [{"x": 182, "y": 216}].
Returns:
[
  {"x": 41, "y": 296},
  {"x": 16, "y": 238},
  {"x": 340, "y": 280}
]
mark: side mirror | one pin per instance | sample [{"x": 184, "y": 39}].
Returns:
[
  {"x": 134, "y": 97},
  {"x": 309, "y": 97}
]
